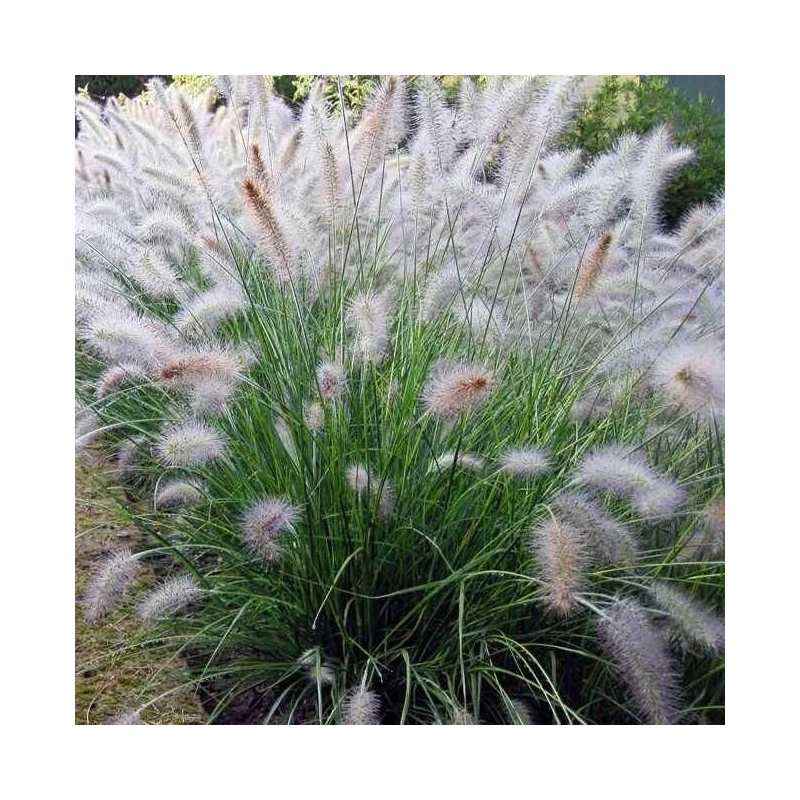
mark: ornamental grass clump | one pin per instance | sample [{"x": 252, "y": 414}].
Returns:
[{"x": 421, "y": 417}]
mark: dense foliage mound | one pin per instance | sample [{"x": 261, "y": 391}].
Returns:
[{"x": 422, "y": 415}]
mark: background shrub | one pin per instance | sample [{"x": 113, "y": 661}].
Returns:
[{"x": 101, "y": 86}]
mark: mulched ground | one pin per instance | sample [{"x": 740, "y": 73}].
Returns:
[{"x": 110, "y": 677}]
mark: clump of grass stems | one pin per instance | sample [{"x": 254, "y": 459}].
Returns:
[{"x": 356, "y": 401}]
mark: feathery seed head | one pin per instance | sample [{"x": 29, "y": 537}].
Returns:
[
  {"x": 116, "y": 376},
  {"x": 455, "y": 389},
  {"x": 690, "y": 623},
  {"x": 592, "y": 265},
  {"x": 609, "y": 541},
  {"x": 446, "y": 461},
  {"x": 708, "y": 539},
  {"x": 87, "y": 425},
  {"x": 109, "y": 581},
  {"x": 171, "y": 596},
  {"x": 361, "y": 479},
  {"x": 262, "y": 524},
  {"x": 205, "y": 311},
  {"x": 209, "y": 396},
  {"x": 314, "y": 416},
  {"x": 691, "y": 376},
  {"x": 174, "y": 494},
  {"x": 321, "y": 673},
  {"x": 663, "y": 498},
  {"x": 642, "y": 658},
  {"x": 560, "y": 552},
  {"x": 368, "y": 317},
  {"x": 621, "y": 471},
  {"x": 331, "y": 380},
  {"x": 461, "y": 716},
  {"x": 615, "y": 469},
  {"x": 278, "y": 247},
  {"x": 361, "y": 707},
  {"x": 120, "y": 335},
  {"x": 714, "y": 519},
  {"x": 524, "y": 462},
  {"x": 190, "y": 368},
  {"x": 155, "y": 275},
  {"x": 189, "y": 444}
]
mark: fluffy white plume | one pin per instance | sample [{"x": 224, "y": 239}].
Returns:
[
  {"x": 171, "y": 596},
  {"x": 361, "y": 707},
  {"x": 525, "y": 462},
  {"x": 111, "y": 578},
  {"x": 620, "y": 470},
  {"x": 189, "y": 444},
  {"x": 264, "y": 522}
]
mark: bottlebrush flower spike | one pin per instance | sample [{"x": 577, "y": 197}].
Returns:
[
  {"x": 524, "y": 462},
  {"x": 126, "y": 459},
  {"x": 707, "y": 540},
  {"x": 87, "y": 427},
  {"x": 592, "y": 265},
  {"x": 173, "y": 494},
  {"x": 109, "y": 581},
  {"x": 280, "y": 251},
  {"x": 155, "y": 275},
  {"x": 189, "y": 444},
  {"x": 447, "y": 460},
  {"x": 615, "y": 469},
  {"x": 330, "y": 380},
  {"x": 690, "y": 623},
  {"x": 380, "y": 127},
  {"x": 359, "y": 477},
  {"x": 321, "y": 673},
  {"x": 663, "y": 498},
  {"x": 314, "y": 416},
  {"x": 259, "y": 172},
  {"x": 691, "y": 376},
  {"x": 461, "y": 716},
  {"x": 192, "y": 367},
  {"x": 361, "y": 707},
  {"x": 362, "y": 479},
  {"x": 561, "y": 557},
  {"x": 455, "y": 389},
  {"x": 610, "y": 541},
  {"x": 120, "y": 335},
  {"x": 173, "y": 595},
  {"x": 262, "y": 524},
  {"x": 209, "y": 397},
  {"x": 368, "y": 317},
  {"x": 205, "y": 311},
  {"x": 642, "y": 658},
  {"x": 621, "y": 471},
  {"x": 116, "y": 376}
]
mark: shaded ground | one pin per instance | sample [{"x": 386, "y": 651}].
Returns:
[{"x": 110, "y": 679}]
